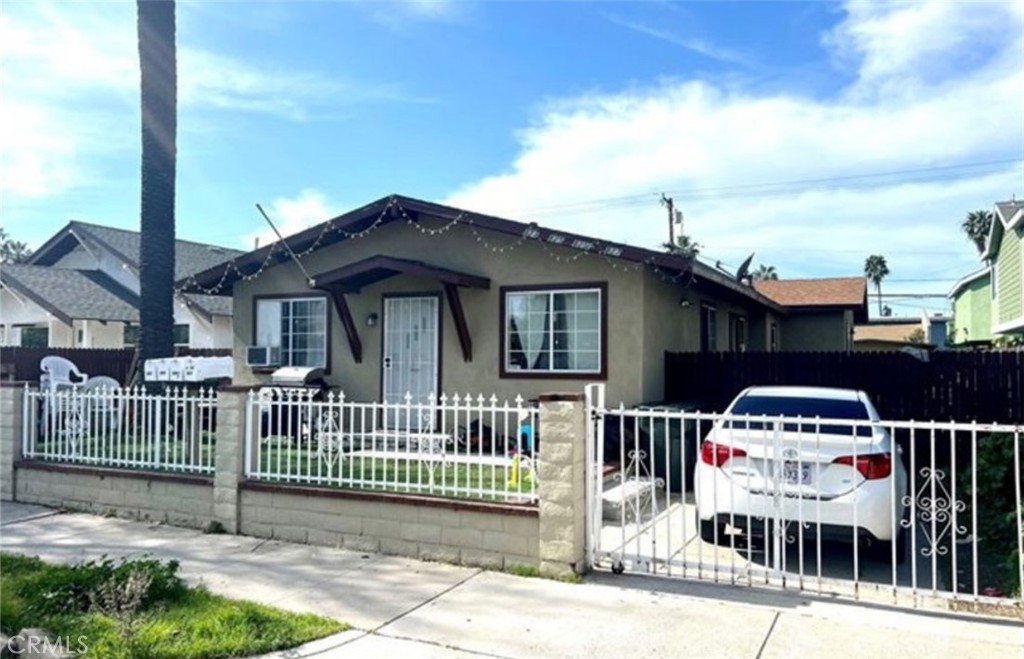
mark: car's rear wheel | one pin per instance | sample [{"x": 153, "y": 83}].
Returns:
[
  {"x": 711, "y": 532},
  {"x": 883, "y": 550}
]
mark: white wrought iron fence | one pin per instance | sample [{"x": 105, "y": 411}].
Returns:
[
  {"x": 455, "y": 446},
  {"x": 900, "y": 511},
  {"x": 135, "y": 428}
]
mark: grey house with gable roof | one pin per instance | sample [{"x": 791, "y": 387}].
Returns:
[{"x": 81, "y": 289}]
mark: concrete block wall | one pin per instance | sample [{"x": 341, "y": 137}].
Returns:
[
  {"x": 549, "y": 536},
  {"x": 155, "y": 498},
  {"x": 483, "y": 535},
  {"x": 10, "y": 436},
  {"x": 562, "y": 485}
]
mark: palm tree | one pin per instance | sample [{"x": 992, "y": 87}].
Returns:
[
  {"x": 685, "y": 246},
  {"x": 876, "y": 269},
  {"x": 159, "y": 96},
  {"x": 766, "y": 272},
  {"x": 976, "y": 225}
]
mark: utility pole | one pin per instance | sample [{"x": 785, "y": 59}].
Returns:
[{"x": 670, "y": 205}]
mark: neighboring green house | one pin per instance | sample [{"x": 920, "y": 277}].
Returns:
[
  {"x": 1003, "y": 251},
  {"x": 989, "y": 304},
  {"x": 972, "y": 308}
]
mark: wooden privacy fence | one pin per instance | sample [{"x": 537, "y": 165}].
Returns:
[
  {"x": 987, "y": 387},
  {"x": 22, "y": 364}
]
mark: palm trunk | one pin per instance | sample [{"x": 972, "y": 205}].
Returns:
[{"x": 157, "y": 59}]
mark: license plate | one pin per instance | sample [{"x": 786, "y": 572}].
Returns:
[{"x": 794, "y": 473}]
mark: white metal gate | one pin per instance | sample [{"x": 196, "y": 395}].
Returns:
[
  {"x": 410, "y": 355},
  {"x": 955, "y": 533}
]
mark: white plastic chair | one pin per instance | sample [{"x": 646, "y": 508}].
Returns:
[
  {"x": 104, "y": 398},
  {"x": 57, "y": 372}
]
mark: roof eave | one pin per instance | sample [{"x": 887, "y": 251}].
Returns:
[
  {"x": 42, "y": 302},
  {"x": 967, "y": 279}
]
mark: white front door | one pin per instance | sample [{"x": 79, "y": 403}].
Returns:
[{"x": 410, "y": 356}]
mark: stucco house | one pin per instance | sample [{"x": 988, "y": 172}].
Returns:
[
  {"x": 989, "y": 304},
  {"x": 81, "y": 289},
  {"x": 821, "y": 312},
  {"x": 407, "y": 295}
]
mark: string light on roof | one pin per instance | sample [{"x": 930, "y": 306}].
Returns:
[{"x": 611, "y": 254}]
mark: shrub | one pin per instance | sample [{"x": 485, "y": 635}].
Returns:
[
  {"x": 997, "y": 512},
  {"x": 64, "y": 589}
]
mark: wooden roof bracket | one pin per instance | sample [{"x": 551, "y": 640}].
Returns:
[
  {"x": 351, "y": 333},
  {"x": 451, "y": 291}
]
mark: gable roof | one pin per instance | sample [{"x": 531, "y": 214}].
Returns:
[
  {"x": 1007, "y": 215},
  {"x": 221, "y": 278},
  {"x": 967, "y": 279},
  {"x": 822, "y": 293},
  {"x": 72, "y": 294},
  {"x": 189, "y": 257}
]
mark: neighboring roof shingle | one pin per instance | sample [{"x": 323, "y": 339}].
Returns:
[
  {"x": 73, "y": 294},
  {"x": 189, "y": 257},
  {"x": 1009, "y": 208},
  {"x": 215, "y": 305},
  {"x": 825, "y": 292}
]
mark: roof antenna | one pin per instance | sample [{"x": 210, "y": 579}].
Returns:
[{"x": 309, "y": 280}]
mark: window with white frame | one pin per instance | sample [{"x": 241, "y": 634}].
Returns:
[
  {"x": 296, "y": 325},
  {"x": 553, "y": 331}
]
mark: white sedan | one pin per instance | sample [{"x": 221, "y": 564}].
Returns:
[{"x": 809, "y": 457}]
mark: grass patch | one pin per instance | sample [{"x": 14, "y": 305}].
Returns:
[
  {"x": 170, "y": 621},
  {"x": 533, "y": 572}
]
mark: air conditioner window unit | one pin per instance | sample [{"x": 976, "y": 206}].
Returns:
[{"x": 263, "y": 356}]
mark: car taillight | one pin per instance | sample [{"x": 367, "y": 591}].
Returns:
[
  {"x": 871, "y": 466},
  {"x": 718, "y": 454}
]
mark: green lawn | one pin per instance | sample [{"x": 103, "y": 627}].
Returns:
[
  {"x": 111, "y": 451},
  {"x": 399, "y": 473},
  {"x": 174, "y": 621}
]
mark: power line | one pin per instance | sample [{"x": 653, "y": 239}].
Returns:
[{"x": 907, "y": 175}]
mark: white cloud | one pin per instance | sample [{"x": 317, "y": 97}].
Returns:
[
  {"x": 692, "y": 44},
  {"x": 901, "y": 112},
  {"x": 70, "y": 80},
  {"x": 293, "y": 214},
  {"x": 402, "y": 14}
]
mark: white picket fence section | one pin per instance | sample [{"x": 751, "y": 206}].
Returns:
[
  {"x": 459, "y": 446},
  {"x": 962, "y": 523},
  {"x": 169, "y": 430}
]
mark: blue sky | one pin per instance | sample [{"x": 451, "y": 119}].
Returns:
[{"x": 572, "y": 114}]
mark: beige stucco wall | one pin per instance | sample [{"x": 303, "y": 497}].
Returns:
[
  {"x": 630, "y": 349},
  {"x": 486, "y": 539},
  {"x": 827, "y": 331},
  {"x": 135, "y": 497}
]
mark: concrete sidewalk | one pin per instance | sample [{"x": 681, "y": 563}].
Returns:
[{"x": 408, "y": 608}]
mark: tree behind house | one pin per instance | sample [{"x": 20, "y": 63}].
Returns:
[
  {"x": 685, "y": 246},
  {"x": 12, "y": 251},
  {"x": 158, "y": 65},
  {"x": 876, "y": 269},
  {"x": 976, "y": 225}
]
